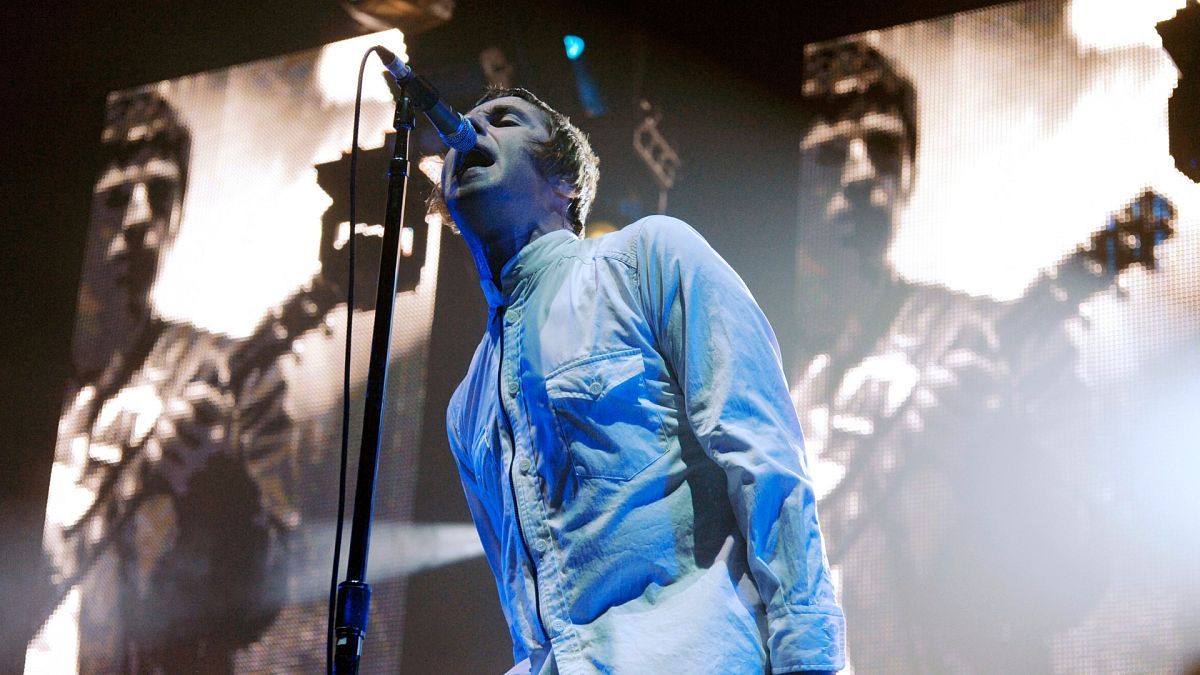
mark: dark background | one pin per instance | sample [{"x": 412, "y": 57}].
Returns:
[{"x": 725, "y": 75}]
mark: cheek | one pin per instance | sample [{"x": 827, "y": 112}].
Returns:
[
  {"x": 885, "y": 190},
  {"x": 818, "y": 178},
  {"x": 106, "y": 222}
]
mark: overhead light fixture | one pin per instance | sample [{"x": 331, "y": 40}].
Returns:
[{"x": 410, "y": 16}]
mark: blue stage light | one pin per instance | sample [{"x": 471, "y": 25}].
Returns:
[{"x": 574, "y": 45}]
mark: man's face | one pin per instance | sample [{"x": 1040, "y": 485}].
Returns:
[
  {"x": 501, "y": 170},
  {"x": 134, "y": 208},
  {"x": 855, "y": 175}
]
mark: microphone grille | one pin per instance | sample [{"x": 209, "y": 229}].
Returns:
[{"x": 464, "y": 137}]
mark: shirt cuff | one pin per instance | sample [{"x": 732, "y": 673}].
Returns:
[{"x": 807, "y": 638}]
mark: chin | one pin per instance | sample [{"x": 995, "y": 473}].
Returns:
[{"x": 467, "y": 198}]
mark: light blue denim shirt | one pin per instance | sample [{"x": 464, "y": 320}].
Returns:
[{"x": 634, "y": 466}]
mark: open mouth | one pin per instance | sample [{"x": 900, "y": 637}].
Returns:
[{"x": 475, "y": 157}]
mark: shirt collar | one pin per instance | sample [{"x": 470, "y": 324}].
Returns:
[{"x": 530, "y": 260}]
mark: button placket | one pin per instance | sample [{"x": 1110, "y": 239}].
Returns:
[
  {"x": 548, "y": 578},
  {"x": 551, "y": 584},
  {"x": 526, "y": 496}
]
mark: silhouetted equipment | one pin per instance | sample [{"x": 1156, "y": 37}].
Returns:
[
  {"x": 1181, "y": 38},
  {"x": 333, "y": 177},
  {"x": 656, "y": 153}
]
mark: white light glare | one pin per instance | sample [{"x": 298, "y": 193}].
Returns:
[
  {"x": 1112, "y": 24},
  {"x": 337, "y": 67},
  {"x": 431, "y": 166},
  {"x": 55, "y": 649}
]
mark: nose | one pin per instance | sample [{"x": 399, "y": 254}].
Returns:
[
  {"x": 476, "y": 122},
  {"x": 137, "y": 231},
  {"x": 858, "y": 166},
  {"x": 138, "y": 209}
]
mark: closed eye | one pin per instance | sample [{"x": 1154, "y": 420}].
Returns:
[{"x": 505, "y": 116}]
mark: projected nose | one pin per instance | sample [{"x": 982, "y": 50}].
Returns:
[{"x": 858, "y": 166}]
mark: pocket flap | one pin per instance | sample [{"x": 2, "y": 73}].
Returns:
[{"x": 594, "y": 376}]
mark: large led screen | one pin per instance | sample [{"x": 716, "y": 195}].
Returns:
[
  {"x": 998, "y": 300},
  {"x": 991, "y": 330},
  {"x": 193, "y": 492}
]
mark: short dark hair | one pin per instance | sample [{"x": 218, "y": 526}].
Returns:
[
  {"x": 137, "y": 121},
  {"x": 849, "y": 78}
]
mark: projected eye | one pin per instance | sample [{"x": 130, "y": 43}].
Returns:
[
  {"x": 160, "y": 191},
  {"x": 831, "y": 154},
  {"x": 117, "y": 198},
  {"x": 885, "y": 151}
]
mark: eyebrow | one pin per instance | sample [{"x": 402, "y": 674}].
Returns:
[
  {"x": 823, "y": 132},
  {"x": 154, "y": 168}
]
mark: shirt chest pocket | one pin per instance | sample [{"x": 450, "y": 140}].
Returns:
[{"x": 604, "y": 416}]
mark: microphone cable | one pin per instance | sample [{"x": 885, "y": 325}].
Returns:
[{"x": 345, "y": 453}]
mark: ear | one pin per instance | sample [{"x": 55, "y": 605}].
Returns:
[
  {"x": 567, "y": 193},
  {"x": 563, "y": 188}
]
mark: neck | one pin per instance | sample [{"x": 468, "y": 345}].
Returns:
[
  {"x": 844, "y": 295},
  {"x": 497, "y": 245},
  {"x": 112, "y": 367}
]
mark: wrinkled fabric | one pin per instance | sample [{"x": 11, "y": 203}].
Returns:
[{"x": 634, "y": 465}]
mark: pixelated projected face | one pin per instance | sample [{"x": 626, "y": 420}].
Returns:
[
  {"x": 501, "y": 169},
  {"x": 855, "y": 174},
  {"x": 136, "y": 206}
]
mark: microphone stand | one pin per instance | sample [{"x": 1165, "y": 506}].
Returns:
[{"x": 354, "y": 594}]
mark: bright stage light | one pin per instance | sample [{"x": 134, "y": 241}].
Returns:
[
  {"x": 574, "y": 46},
  {"x": 339, "y": 61},
  {"x": 431, "y": 166},
  {"x": 1112, "y": 24}
]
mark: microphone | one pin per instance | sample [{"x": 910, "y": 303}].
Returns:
[{"x": 454, "y": 129}]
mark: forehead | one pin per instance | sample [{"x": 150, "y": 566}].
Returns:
[{"x": 874, "y": 122}]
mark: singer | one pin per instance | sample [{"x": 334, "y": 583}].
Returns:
[{"x": 624, "y": 434}]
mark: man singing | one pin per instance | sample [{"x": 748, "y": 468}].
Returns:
[{"x": 625, "y": 438}]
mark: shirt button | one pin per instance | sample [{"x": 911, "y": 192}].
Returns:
[
  {"x": 558, "y": 625},
  {"x": 579, "y": 470},
  {"x": 524, "y": 465},
  {"x": 513, "y": 386},
  {"x": 513, "y": 315},
  {"x": 595, "y": 387},
  {"x": 539, "y": 545}
]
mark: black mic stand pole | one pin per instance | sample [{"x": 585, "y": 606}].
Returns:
[{"x": 354, "y": 594}]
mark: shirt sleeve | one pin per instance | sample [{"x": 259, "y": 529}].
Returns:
[{"x": 725, "y": 358}]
